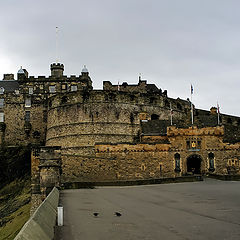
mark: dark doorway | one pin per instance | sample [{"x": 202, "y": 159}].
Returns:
[
  {"x": 154, "y": 117},
  {"x": 194, "y": 164}
]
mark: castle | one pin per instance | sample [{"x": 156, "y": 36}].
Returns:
[{"x": 122, "y": 132}]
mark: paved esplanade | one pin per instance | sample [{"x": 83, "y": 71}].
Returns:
[{"x": 198, "y": 210}]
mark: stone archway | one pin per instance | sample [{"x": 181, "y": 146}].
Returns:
[{"x": 194, "y": 162}]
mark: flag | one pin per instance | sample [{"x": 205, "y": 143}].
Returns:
[
  {"x": 218, "y": 114},
  {"x": 218, "y": 111},
  {"x": 191, "y": 103}
]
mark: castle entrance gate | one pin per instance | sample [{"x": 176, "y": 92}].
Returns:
[{"x": 194, "y": 164}]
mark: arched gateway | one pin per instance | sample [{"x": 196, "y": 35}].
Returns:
[{"x": 194, "y": 164}]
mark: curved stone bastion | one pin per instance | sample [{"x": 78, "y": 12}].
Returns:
[{"x": 78, "y": 121}]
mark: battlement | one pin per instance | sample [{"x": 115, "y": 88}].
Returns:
[
  {"x": 8, "y": 76},
  {"x": 141, "y": 87},
  {"x": 57, "y": 69},
  {"x": 173, "y": 131}
]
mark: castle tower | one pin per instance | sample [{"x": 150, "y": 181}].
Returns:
[
  {"x": 85, "y": 71},
  {"x": 57, "y": 69}
]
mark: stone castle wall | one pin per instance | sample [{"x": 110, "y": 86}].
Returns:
[
  {"x": 80, "y": 119},
  {"x": 125, "y": 161},
  {"x": 17, "y": 130}
]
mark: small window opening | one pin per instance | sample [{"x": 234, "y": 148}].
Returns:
[
  {"x": 30, "y": 90},
  {"x": 73, "y": 88},
  {"x": 167, "y": 104},
  {"x": 28, "y": 102},
  {"x": 27, "y": 116},
  {"x": 177, "y": 162},
  {"x": 1, "y": 103},
  {"x": 179, "y": 106},
  {"x": 154, "y": 117},
  {"x": 211, "y": 162},
  {"x": 131, "y": 118},
  {"x": 64, "y": 99},
  {"x": 2, "y": 90},
  {"x": 1, "y": 117},
  {"x": 52, "y": 89}
]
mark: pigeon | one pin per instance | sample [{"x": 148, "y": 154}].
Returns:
[
  {"x": 118, "y": 214},
  {"x": 95, "y": 214}
]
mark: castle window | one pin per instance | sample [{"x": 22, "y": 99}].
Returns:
[
  {"x": 131, "y": 118},
  {"x": 211, "y": 162},
  {"x": 167, "y": 104},
  {"x": 154, "y": 117},
  {"x": 30, "y": 90},
  {"x": 36, "y": 134},
  {"x": 2, "y": 90},
  {"x": 28, "y": 102},
  {"x": 44, "y": 116},
  {"x": 52, "y": 89},
  {"x": 152, "y": 99},
  {"x": 64, "y": 99},
  {"x": 73, "y": 88},
  {"x": 177, "y": 162},
  {"x": 179, "y": 106},
  {"x": 27, "y": 116},
  {"x": 1, "y": 117},
  {"x": 1, "y": 102}
]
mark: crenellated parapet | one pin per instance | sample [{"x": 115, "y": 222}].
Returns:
[
  {"x": 131, "y": 148},
  {"x": 173, "y": 131}
]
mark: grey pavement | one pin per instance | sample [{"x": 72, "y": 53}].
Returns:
[{"x": 197, "y": 210}]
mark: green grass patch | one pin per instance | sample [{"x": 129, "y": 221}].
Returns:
[{"x": 14, "y": 207}]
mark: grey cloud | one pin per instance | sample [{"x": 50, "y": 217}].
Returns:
[{"x": 172, "y": 43}]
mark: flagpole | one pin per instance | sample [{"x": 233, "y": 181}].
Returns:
[
  {"x": 218, "y": 113},
  {"x": 171, "y": 119},
  {"x": 191, "y": 103},
  {"x": 56, "y": 45}
]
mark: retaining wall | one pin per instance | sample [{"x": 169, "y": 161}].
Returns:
[{"x": 41, "y": 224}]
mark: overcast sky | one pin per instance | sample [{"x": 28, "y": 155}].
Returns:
[{"x": 172, "y": 43}]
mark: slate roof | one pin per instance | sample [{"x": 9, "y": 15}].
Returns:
[{"x": 9, "y": 85}]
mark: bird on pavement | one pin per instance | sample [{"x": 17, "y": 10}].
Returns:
[{"x": 118, "y": 214}]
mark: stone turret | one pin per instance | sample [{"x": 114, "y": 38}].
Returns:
[
  {"x": 85, "y": 71},
  {"x": 57, "y": 69},
  {"x": 22, "y": 74}
]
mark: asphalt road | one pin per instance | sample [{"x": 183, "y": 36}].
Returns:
[{"x": 198, "y": 210}]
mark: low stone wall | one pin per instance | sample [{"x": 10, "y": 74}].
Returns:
[
  {"x": 225, "y": 177},
  {"x": 41, "y": 224},
  {"x": 78, "y": 185}
]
